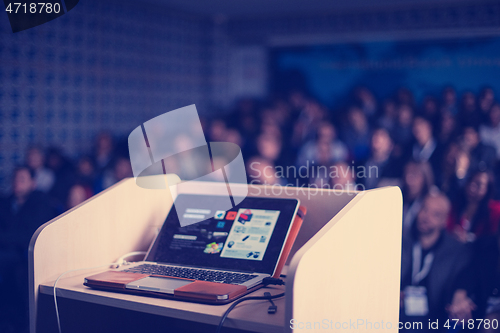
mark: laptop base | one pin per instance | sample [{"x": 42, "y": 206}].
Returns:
[{"x": 192, "y": 291}]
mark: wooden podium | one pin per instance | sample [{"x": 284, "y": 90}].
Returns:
[{"x": 343, "y": 273}]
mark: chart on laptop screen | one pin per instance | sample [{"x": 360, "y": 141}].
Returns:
[
  {"x": 244, "y": 234},
  {"x": 248, "y": 237},
  {"x": 250, "y": 234}
]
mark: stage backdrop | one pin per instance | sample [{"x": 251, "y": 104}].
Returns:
[{"x": 331, "y": 72}]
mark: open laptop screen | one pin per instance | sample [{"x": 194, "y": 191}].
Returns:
[{"x": 247, "y": 238}]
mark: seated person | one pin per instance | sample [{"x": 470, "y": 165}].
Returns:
[
  {"x": 64, "y": 173},
  {"x": 78, "y": 193},
  {"x": 402, "y": 131},
  {"x": 449, "y": 100},
  {"x": 21, "y": 213},
  {"x": 417, "y": 182},
  {"x": 430, "y": 265},
  {"x": 357, "y": 134},
  {"x": 263, "y": 171},
  {"x": 490, "y": 134},
  {"x": 85, "y": 171},
  {"x": 121, "y": 169},
  {"x": 481, "y": 283},
  {"x": 475, "y": 213},
  {"x": 447, "y": 128},
  {"x": 381, "y": 159},
  {"x": 469, "y": 113},
  {"x": 482, "y": 155},
  {"x": 389, "y": 115},
  {"x": 343, "y": 178},
  {"x": 454, "y": 165},
  {"x": 319, "y": 172},
  {"x": 310, "y": 151},
  {"x": 44, "y": 177},
  {"x": 425, "y": 147}
]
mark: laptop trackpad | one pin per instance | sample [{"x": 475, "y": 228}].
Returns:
[{"x": 157, "y": 284}]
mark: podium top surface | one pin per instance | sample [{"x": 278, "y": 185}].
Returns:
[{"x": 250, "y": 315}]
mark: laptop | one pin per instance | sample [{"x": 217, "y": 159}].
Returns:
[{"x": 213, "y": 261}]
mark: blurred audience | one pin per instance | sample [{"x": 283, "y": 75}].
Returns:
[
  {"x": 450, "y": 176},
  {"x": 85, "y": 171},
  {"x": 326, "y": 136},
  {"x": 482, "y": 156},
  {"x": 269, "y": 146},
  {"x": 44, "y": 177},
  {"x": 103, "y": 152},
  {"x": 490, "y": 132},
  {"x": 63, "y": 169},
  {"x": 447, "y": 129},
  {"x": 343, "y": 178},
  {"x": 262, "y": 172},
  {"x": 469, "y": 114},
  {"x": 120, "y": 170},
  {"x": 403, "y": 131},
  {"x": 450, "y": 100},
  {"x": 357, "y": 133},
  {"x": 78, "y": 193},
  {"x": 367, "y": 101},
  {"x": 417, "y": 182},
  {"x": 449, "y": 144},
  {"x": 430, "y": 110},
  {"x": 425, "y": 148},
  {"x": 309, "y": 117},
  {"x": 389, "y": 115},
  {"x": 381, "y": 159},
  {"x": 478, "y": 296},
  {"x": 475, "y": 213},
  {"x": 21, "y": 213},
  {"x": 431, "y": 264},
  {"x": 486, "y": 101}
]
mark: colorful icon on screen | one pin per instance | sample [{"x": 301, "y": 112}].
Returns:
[
  {"x": 240, "y": 229},
  {"x": 219, "y": 215},
  {"x": 245, "y": 217},
  {"x": 213, "y": 248},
  {"x": 231, "y": 215}
]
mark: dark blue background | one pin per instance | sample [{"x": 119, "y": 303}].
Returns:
[{"x": 423, "y": 67}]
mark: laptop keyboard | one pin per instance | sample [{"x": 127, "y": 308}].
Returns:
[{"x": 192, "y": 273}]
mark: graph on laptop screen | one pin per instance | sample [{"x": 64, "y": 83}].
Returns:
[{"x": 241, "y": 234}]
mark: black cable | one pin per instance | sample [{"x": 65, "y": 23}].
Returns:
[
  {"x": 273, "y": 281},
  {"x": 242, "y": 300},
  {"x": 272, "y": 309}
]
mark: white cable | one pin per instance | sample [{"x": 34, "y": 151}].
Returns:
[
  {"x": 55, "y": 290},
  {"x": 117, "y": 263},
  {"x": 122, "y": 261}
]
